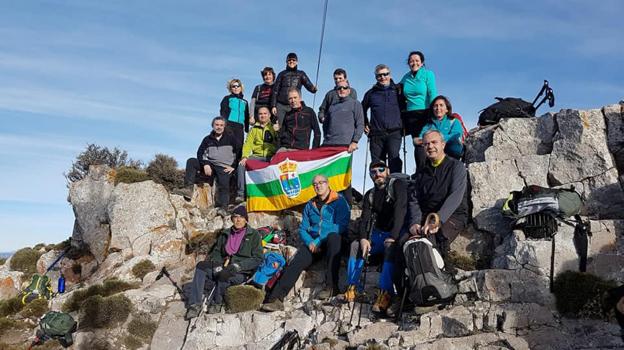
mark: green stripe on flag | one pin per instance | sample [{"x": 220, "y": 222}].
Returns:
[{"x": 273, "y": 188}]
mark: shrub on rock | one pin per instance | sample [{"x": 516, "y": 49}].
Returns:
[
  {"x": 104, "y": 312},
  {"x": 109, "y": 287},
  {"x": 141, "y": 329},
  {"x": 10, "y": 306},
  {"x": 580, "y": 294},
  {"x": 243, "y": 298},
  {"x": 35, "y": 308},
  {"x": 129, "y": 175},
  {"x": 25, "y": 260},
  {"x": 97, "y": 155},
  {"x": 142, "y": 268},
  {"x": 163, "y": 169}
]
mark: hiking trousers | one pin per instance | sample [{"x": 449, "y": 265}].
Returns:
[
  {"x": 303, "y": 259},
  {"x": 205, "y": 280},
  {"x": 195, "y": 172},
  {"x": 386, "y": 146},
  {"x": 355, "y": 264}
]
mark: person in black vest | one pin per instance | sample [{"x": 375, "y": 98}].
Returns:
[
  {"x": 289, "y": 78},
  {"x": 298, "y": 124},
  {"x": 216, "y": 160},
  {"x": 384, "y": 127},
  {"x": 331, "y": 96},
  {"x": 261, "y": 95}
]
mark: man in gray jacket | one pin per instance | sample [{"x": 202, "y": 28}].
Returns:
[
  {"x": 331, "y": 96},
  {"x": 343, "y": 124}
]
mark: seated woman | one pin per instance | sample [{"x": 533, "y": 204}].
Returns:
[
  {"x": 325, "y": 220},
  {"x": 234, "y": 257},
  {"x": 443, "y": 121},
  {"x": 261, "y": 144}
]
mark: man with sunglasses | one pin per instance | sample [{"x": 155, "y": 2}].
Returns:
[
  {"x": 386, "y": 202},
  {"x": 324, "y": 221},
  {"x": 289, "y": 78},
  {"x": 384, "y": 127},
  {"x": 332, "y": 96}
]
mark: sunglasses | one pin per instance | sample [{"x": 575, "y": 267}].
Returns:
[
  {"x": 234, "y": 86},
  {"x": 338, "y": 88},
  {"x": 379, "y": 170},
  {"x": 379, "y": 75}
]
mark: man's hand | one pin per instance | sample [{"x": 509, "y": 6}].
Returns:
[
  {"x": 417, "y": 141},
  {"x": 415, "y": 230},
  {"x": 312, "y": 247},
  {"x": 252, "y": 120},
  {"x": 366, "y": 129},
  {"x": 430, "y": 229},
  {"x": 228, "y": 169},
  {"x": 388, "y": 241},
  {"x": 365, "y": 246},
  {"x": 207, "y": 170},
  {"x": 243, "y": 161},
  {"x": 352, "y": 147},
  {"x": 276, "y": 127},
  {"x": 274, "y": 110}
]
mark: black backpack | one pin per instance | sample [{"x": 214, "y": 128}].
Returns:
[
  {"x": 427, "y": 284},
  {"x": 512, "y": 107}
]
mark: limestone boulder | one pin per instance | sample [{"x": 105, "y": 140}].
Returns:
[
  {"x": 517, "y": 137},
  {"x": 477, "y": 142},
  {"x": 614, "y": 116},
  {"x": 10, "y": 282},
  {"x": 89, "y": 198},
  {"x": 143, "y": 221}
]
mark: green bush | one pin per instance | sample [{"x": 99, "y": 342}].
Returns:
[
  {"x": 109, "y": 287},
  {"x": 97, "y": 155},
  {"x": 580, "y": 294},
  {"x": 142, "y": 268},
  {"x": 6, "y": 324},
  {"x": 130, "y": 175},
  {"x": 2, "y": 261},
  {"x": 163, "y": 169},
  {"x": 463, "y": 262},
  {"x": 25, "y": 260},
  {"x": 103, "y": 312},
  {"x": 35, "y": 308},
  {"x": 10, "y": 306},
  {"x": 142, "y": 328},
  {"x": 132, "y": 343},
  {"x": 243, "y": 298}
]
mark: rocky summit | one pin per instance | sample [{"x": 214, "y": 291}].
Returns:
[{"x": 125, "y": 233}]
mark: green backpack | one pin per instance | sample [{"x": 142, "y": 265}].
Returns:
[
  {"x": 56, "y": 325},
  {"x": 39, "y": 288}
]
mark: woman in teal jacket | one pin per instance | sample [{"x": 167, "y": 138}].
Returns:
[
  {"x": 451, "y": 129},
  {"x": 418, "y": 90},
  {"x": 234, "y": 108}
]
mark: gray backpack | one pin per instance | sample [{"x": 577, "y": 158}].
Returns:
[{"x": 427, "y": 284}]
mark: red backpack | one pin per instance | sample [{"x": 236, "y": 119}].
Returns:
[{"x": 458, "y": 117}]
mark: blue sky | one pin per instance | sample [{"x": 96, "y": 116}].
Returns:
[{"x": 148, "y": 76}]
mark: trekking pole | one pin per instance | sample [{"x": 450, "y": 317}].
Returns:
[
  {"x": 318, "y": 63},
  {"x": 364, "y": 267},
  {"x": 192, "y": 329},
  {"x": 365, "y": 165},
  {"x": 164, "y": 272},
  {"x": 57, "y": 260},
  {"x": 404, "y": 154}
]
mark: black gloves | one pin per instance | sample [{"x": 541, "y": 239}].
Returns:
[{"x": 228, "y": 272}]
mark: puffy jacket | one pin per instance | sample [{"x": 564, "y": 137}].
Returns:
[
  {"x": 260, "y": 141},
  {"x": 296, "y": 129},
  {"x": 249, "y": 255},
  {"x": 419, "y": 89},
  {"x": 318, "y": 223},
  {"x": 235, "y": 109},
  {"x": 285, "y": 80},
  {"x": 383, "y": 102},
  {"x": 344, "y": 122},
  {"x": 221, "y": 152},
  {"x": 452, "y": 131}
]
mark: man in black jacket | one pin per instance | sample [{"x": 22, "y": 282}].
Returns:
[
  {"x": 216, "y": 160},
  {"x": 232, "y": 260},
  {"x": 289, "y": 78},
  {"x": 384, "y": 127},
  {"x": 298, "y": 125},
  {"x": 440, "y": 187},
  {"x": 384, "y": 206}
]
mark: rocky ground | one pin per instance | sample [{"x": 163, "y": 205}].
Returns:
[{"x": 507, "y": 306}]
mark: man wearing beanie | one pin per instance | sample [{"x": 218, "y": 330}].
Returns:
[
  {"x": 233, "y": 259},
  {"x": 289, "y": 78}
]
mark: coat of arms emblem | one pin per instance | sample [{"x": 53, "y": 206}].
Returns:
[{"x": 289, "y": 179}]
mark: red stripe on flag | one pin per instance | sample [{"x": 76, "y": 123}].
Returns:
[{"x": 300, "y": 156}]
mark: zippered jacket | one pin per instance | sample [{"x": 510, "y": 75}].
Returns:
[
  {"x": 285, "y": 80},
  {"x": 221, "y": 152},
  {"x": 249, "y": 255},
  {"x": 297, "y": 128},
  {"x": 318, "y": 223},
  {"x": 419, "y": 89},
  {"x": 385, "y": 110},
  {"x": 344, "y": 122},
  {"x": 452, "y": 132},
  {"x": 235, "y": 109},
  {"x": 260, "y": 141}
]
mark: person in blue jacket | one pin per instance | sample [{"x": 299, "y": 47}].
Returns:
[
  {"x": 325, "y": 220},
  {"x": 451, "y": 129},
  {"x": 418, "y": 90},
  {"x": 235, "y": 110}
]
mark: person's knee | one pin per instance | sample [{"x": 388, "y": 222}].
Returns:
[
  {"x": 355, "y": 246},
  {"x": 333, "y": 243}
]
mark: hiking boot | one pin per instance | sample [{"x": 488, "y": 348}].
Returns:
[
  {"x": 395, "y": 306},
  {"x": 326, "y": 293},
  {"x": 192, "y": 312},
  {"x": 274, "y": 305},
  {"x": 186, "y": 192},
  {"x": 222, "y": 212},
  {"x": 382, "y": 302},
  {"x": 350, "y": 294},
  {"x": 239, "y": 199},
  {"x": 214, "y": 308}
]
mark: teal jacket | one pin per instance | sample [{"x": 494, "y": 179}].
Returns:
[
  {"x": 452, "y": 131},
  {"x": 234, "y": 108},
  {"x": 318, "y": 223},
  {"x": 419, "y": 89}
]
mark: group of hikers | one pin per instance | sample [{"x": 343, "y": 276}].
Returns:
[{"x": 395, "y": 210}]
